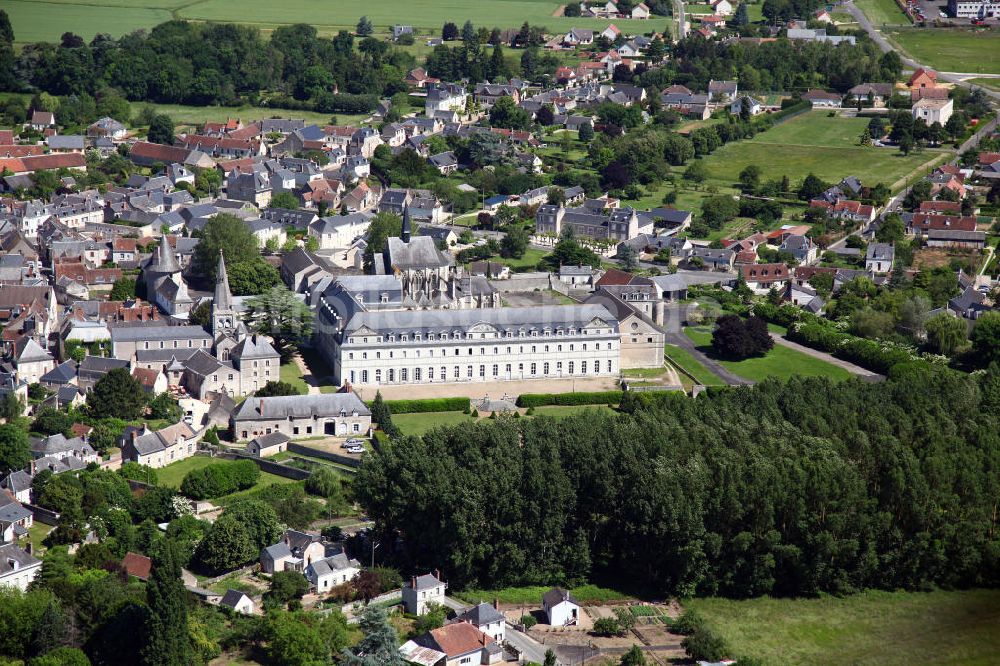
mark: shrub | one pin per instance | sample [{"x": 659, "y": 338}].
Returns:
[
  {"x": 567, "y": 399},
  {"x": 220, "y": 479},
  {"x": 687, "y": 623},
  {"x": 136, "y": 472},
  {"x": 737, "y": 338},
  {"x": 528, "y": 621},
  {"x": 607, "y": 626},
  {"x": 704, "y": 645},
  {"x": 429, "y": 405}
]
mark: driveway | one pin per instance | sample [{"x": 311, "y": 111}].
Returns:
[
  {"x": 867, "y": 375},
  {"x": 684, "y": 342}
]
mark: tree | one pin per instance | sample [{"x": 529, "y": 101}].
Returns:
[
  {"x": 507, "y": 114},
  {"x": 703, "y": 645},
  {"x": 717, "y": 210},
  {"x": 469, "y": 33},
  {"x": 326, "y": 483},
  {"x": 514, "y": 243},
  {"x": 251, "y": 278},
  {"x": 449, "y": 32},
  {"x": 6, "y": 29},
  {"x": 15, "y": 451},
  {"x": 891, "y": 230},
  {"x": 11, "y": 407},
  {"x": 167, "y": 643},
  {"x": 279, "y": 314},
  {"x": 871, "y": 324},
  {"x": 811, "y": 187},
  {"x": 634, "y": 656},
  {"x": 229, "y": 234},
  {"x": 946, "y": 333},
  {"x": 165, "y": 406},
  {"x": 161, "y": 130},
  {"x": 628, "y": 257},
  {"x": 696, "y": 172},
  {"x": 274, "y": 388},
  {"x": 227, "y": 545},
  {"x": 284, "y": 200},
  {"x": 62, "y": 656},
  {"x": 742, "y": 16},
  {"x": 750, "y": 177},
  {"x": 383, "y": 417},
  {"x": 545, "y": 116},
  {"x": 986, "y": 338},
  {"x": 736, "y": 338},
  {"x": 382, "y": 227},
  {"x": 117, "y": 394},
  {"x": 364, "y": 27},
  {"x": 123, "y": 289},
  {"x": 285, "y": 587},
  {"x": 607, "y": 626},
  {"x": 586, "y": 133},
  {"x": 50, "y": 421},
  {"x": 379, "y": 647},
  {"x": 550, "y": 658}
]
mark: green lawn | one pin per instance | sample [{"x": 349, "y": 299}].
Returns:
[
  {"x": 418, "y": 424},
  {"x": 173, "y": 474},
  {"x": 36, "y": 533},
  {"x": 183, "y": 114},
  {"x": 952, "y": 50},
  {"x": 532, "y": 595},
  {"x": 525, "y": 264},
  {"x": 781, "y": 362},
  {"x": 814, "y": 143},
  {"x": 48, "y": 19},
  {"x": 882, "y": 12},
  {"x": 992, "y": 84},
  {"x": 266, "y": 479},
  {"x": 873, "y": 628},
  {"x": 683, "y": 359},
  {"x": 562, "y": 411},
  {"x": 290, "y": 374}
]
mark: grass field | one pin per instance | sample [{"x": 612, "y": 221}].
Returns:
[
  {"x": 883, "y": 628},
  {"x": 814, "y": 143},
  {"x": 525, "y": 264},
  {"x": 992, "y": 84},
  {"x": 420, "y": 423},
  {"x": 952, "y": 50},
  {"x": 173, "y": 474},
  {"x": 682, "y": 358},
  {"x": 46, "y": 20},
  {"x": 882, "y": 12},
  {"x": 781, "y": 362},
  {"x": 532, "y": 595},
  {"x": 197, "y": 115},
  {"x": 290, "y": 374}
]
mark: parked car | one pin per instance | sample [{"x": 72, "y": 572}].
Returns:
[
  {"x": 355, "y": 449},
  {"x": 942, "y": 15},
  {"x": 354, "y": 441}
]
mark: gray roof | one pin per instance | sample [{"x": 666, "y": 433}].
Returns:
[
  {"x": 420, "y": 252},
  {"x": 504, "y": 319},
  {"x": 300, "y": 406},
  {"x": 17, "y": 481},
  {"x": 32, "y": 352},
  {"x": 556, "y": 596},
  {"x": 481, "y": 615},
  {"x": 12, "y": 552},
  {"x": 101, "y": 364},
  {"x": 884, "y": 251},
  {"x": 58, "y": 443},
  {"x": 253, "y": 346},
  {"x": 337, "y": 562},
  {"x": 233, "y": 597},
  {"x": 61, "y": 374},
  {"x": 202, "y": 363},
  {"x": 271, "y": 439},
  {"x": 13, "y": 512},
  {"x": 139, "y": 333},
  {"x": 278, "y": 551},
  {"x": 65, "y": 142},
  {"x": 163, "y": 355},
  {"x": 427, "y": 581}
]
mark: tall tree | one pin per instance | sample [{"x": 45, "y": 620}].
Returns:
[
  {"x": 280, "y": 314},
  {"x": 365, "y": 27},
  {"x": 168, "y": 642},
  {"x": 227, "y": 233},
  {"x": 379, "y": 647},
  {"x": 117, "y": 394},
  {"x": 161, "y": 130},
  {"x": 15, "y": 452},
  {"x": 946, "y": 333}
]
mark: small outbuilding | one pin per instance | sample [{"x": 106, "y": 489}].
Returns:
[{"x": 268, "y": 445}]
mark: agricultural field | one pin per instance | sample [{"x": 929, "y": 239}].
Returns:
[
  {"x": 47, "y": 20},
  {"x": 781, "y": 362},
  {"x": 952, "y": 50},
  {"x": 870, "y": 628},
  {"x": 816, "y": 143},
  {"x": 882, "y": 12}
]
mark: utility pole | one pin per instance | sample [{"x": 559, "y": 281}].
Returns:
[{"x": 375, "y": 544}]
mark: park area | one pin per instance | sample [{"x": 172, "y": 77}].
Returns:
[
  {"x": 780, "y": 362},
  {"x": 817, "y": 143},
  {"x": 172, "y": 475},
  {"x": 46, "y": 20},
  {"x": 952, "y": 50},
  {"x": 419, "y": 423},
  {"x": 882, "y": 628}
]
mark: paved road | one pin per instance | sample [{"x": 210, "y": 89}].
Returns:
[
  {"x": 684, "y": 342},
  {"x": 867, "y": 375},
  {"x": 682, "y": 23},
  {"x": 884, "y": 44}
]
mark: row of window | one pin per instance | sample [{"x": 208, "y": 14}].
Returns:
[
  {"x": 404, "y": 375},
  {"x": 190, "y": 344},
  {"x": 482, "y": 351},
  {"x": 417, "y": 337}
]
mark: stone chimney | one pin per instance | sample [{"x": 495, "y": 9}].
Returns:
[
  {"x": 413, "y": 582},
  {"x": 437, "y": 574},
  {"x": 496, "y": 603}
]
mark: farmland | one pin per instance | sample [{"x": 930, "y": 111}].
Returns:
[
  {"x": 952, "y": 50},
  {"x": 814, "y": 143},
  {"x": 47, "y": 20},
  {"x": 869, "y": 628}
]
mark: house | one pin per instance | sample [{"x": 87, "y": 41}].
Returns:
[
  {"x": 578, "y": 37},
  {"x": 611, "y": 32},
  {"x": 238, "y": 602},
  {"x": 296, "y": 551},
  {"x": 339, "y": 231},
  {"x": 486, "y": 618},
  {"x": 93, "y": 368},
  {"x": 445, "y": 97},
  {"x": 879, "y": 258},
  {"x": 920, "y": 224},
  {"x": 65, "y": 143},
  {"x": 761, "y": 278},
  {"x": 160, "y": 448},
  {"x": 42, "y": 120},
  {"x": 875, "y": 93},
  {"x": 442, "y": 235},
  {"x": 753, "y": 105},
  {"x": 31, "y": 361},
  {"x": 17, "y": 567},
  {"x": 641, "y": 11},
  {"x": 956, "y": 238},
  {"x": 921, "y": 79},
  {"x": 710, "y": 259},
  {"x": 462, "y": 644},
  {"x": 933, "y": 110},
  {"x": 822, "y": 15},
  {"x": 107, "y": 128},
  {"x": 329, "y": 572},
  {"x": 560, "y": 607},
  {"x": 137, "y": 566},
  {"x": 801, "y": 247},
  {"x": 415, "y": 654},
  {"x": 822, "y": 99},
  {"x": 340, "y": 414},
  {"x": 267, "y": 445},
  {"x": 420, "y": 591},
  {"x": 722, "y": 7},
  {"x": 400, "y": 30},
  {"x": 418, "y": 78},
  {"x": 15, "y": 520},
  {"x": 18, "y": 484},
  {"x": 153, "y": 381},
  {"x": 446, "y": 162}
]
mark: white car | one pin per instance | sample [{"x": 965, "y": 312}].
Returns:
[
  {"x": 355, "y": 449},
  {"x": 942, "y": 15}
]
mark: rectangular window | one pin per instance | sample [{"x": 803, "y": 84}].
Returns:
[
  {"x": 357, "y": 427},
  {"x": 482, "y": 372},
  {"x": 430, "y": 374},
  {"x": 404, "y": 374},
  {"x": 583, "y": 367},
  {"x": 545, "y": 368},
  {"x": 534, "y": 368},
  {"x": 609, "y": 365},
  {"x": 457, "y": 372},
  {"x": 570, "y": 367},
  {"x": 496, "y": 370},
  {"x": 468, "y": 371}
]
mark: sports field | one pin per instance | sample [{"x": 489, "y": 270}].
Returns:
[
  {"x": 872, "y": 628},
  {"x": 46, "y": 20},
  {"x": 964, "y": 51},
  {"x": 815, "y": 143}
]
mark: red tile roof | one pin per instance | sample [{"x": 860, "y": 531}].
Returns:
[
  {"x": 941, "y": 207},
  {"x": 930, "y": 221},
  {"x": 615, "y": 277},
  {"x": 157, "y": 152},
  {"x": 137, "y": 565},
  {"x": 459, "y": 638},
  {"x": 764, "y": 272}
]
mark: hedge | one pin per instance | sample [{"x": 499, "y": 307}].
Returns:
[
  {"x": 220, "y": 479},
  {"x": 567, "y": 399},
  {"x": 428, "y": 405},
  {"x": 871, "y": 354}
]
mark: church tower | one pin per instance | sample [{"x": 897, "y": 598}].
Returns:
[
  {"x": 407, "y": 231},
  {"x": 224, "y": 319}
]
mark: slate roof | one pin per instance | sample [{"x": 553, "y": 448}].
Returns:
[
  {"x": 253, "y": 346},
  {"x": 278, "y": 551},
  {"x": 337, "y": 562},
  {"x": 271, "y": 439},
  {"x": 29, "y": 351},
  {"x": 232, "y": 598},
  {"x": 13, "y": 552},
  {"x": 17, "y": 481},
  {"x": 482, "y": 614},
  {"x": 300, "y": 406},
  {"x": 139, "y": 333},
  {"x": 427, "y": 582},
  {"x": 556, "y": 595},
  {"x": 512, "y": 318}
]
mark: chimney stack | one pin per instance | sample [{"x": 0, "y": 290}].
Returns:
[
  {"x": 496, "y": 603},
  {"x": 413, "y": 582},
  {"x": 437, "y": 574}
]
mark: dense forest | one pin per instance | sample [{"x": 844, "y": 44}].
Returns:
[{"x": 783, "y": 488}]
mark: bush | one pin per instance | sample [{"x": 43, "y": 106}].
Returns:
[
  {"x": 737, "y": 338},
  {"x": 704, "y": 645},
  {"x": 220, "y": 479},
  {"x": 528, "y": 621},
  {"x": 568, "y": 399},
  {"x": 607, "y": 626},
  {"x": 429, "y": 405},
  {"x": 136, "y": 472},
  {"x": 687, "y": 623}
]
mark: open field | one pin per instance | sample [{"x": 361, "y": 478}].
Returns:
[
  {"x": 781, "y": 362},
  {"x": 197, "y": 115},
  {"x": 46, "y": 20},
  {"x": 952, "y": 50},
  {"x": 532, "y": 595},
  {"x": 992, "y": 84},
  {"x": 871, "y": 628},
  {"x": 420, "y": 423},
  {"x": 815, "y": 143},
  {"x": 290, "y": 374},
  {"x": 882, "y": 12}
]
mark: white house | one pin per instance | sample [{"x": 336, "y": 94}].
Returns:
[
  {"x": 880, "y": 257},
  {"x": 330, "y": 572},
  {"x": 722, "y": 7},
  {"x": 423, "y": 590},
  {"x": 560, "y": 607},
  {"x": 238, "y": 602},
  {"x": 641, "y": 11},
  {"x": 295, "y": 552},
  {"x": 17, "y": 567},
  {"x": 933, "y": 110},
  {"x": 488, "y": 619},
  {"x": 339, "y": 231}
]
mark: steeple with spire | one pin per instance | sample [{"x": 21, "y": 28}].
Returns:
[
  {"x": 223, "y": 315},
  {"x": 405, "y": 236},
  {"x": 166, "y": 260}
]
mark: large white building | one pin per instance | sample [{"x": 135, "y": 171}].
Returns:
[
  {"x": 932, "y": 111},
  {"x": 974, "y": 9}
]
